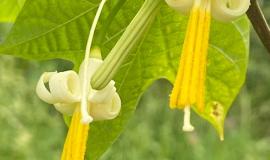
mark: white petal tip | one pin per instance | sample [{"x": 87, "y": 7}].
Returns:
[
  {"x": 87, "y": 120},
  {"x": 188, "y": 128},
  {"x": 183, "y": 6},
  {"x": 227, "y": 11}
]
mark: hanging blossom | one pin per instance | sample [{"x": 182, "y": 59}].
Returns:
[
  {"x": 65, "y": 94},
  {"x": 72, "y": 94},
  {"x": 189, "y": 86},
  {"x": 91, "y": 95}
]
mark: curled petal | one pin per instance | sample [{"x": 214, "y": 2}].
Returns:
[
  {"x": 104, "y": 95},
  {"x": 106, "y": 111},
  {"x": 93, "y": 65},
  {"x": 65, "y": 108},
  {"x": 229, "y": 10},
  {"x": 65, "y": 87},
  {"x": 42, "y": 91},
  {"x": 183, "y": 6},
  {"x": 86, "y": 118}
]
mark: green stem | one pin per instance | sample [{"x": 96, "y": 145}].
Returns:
[
  {"x": 259, "y": 23},
  {"x": 125, "y": 44}
]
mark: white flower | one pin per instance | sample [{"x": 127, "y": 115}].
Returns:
[
  {"x": 64, "y": 92},
  {"x": 229, "y": 10},
  {"x": 222, "y": 10},
  {"x": 183, "y": 6}
]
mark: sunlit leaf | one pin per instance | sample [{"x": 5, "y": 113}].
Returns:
[
  {"x": 59, "y": 29},
  {"x": 9, "y": 9}
]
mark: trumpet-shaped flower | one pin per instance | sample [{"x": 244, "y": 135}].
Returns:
[{"x": 189, "y": 86}]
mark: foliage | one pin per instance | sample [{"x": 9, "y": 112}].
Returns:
[
  {"x": 59, "y": 30},
  {"x": 148, "y": 136},
  {"x": 29, "y": 129},
  {"x": 9, "y": 10}
]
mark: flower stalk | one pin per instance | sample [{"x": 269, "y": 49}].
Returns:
[
  {"x": 125, "y": 44},
  {"x": 256, "y": 17}
]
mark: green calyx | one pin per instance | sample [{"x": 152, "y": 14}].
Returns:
[{"x": 135, "y": 30}]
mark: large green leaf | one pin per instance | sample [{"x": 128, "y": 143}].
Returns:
[
  {"x": 4, "y": 29},
  {"x": 59, "y": 29},
  {"x": 9, "y": 9}
]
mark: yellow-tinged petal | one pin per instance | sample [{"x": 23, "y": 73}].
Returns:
[
  {"x": 182, "y": 6},
  {"x": 75, "y": 144}
]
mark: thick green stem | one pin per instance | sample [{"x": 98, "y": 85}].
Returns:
[
  {"x": 259, "y": 23},
  {"x": 125, "y": 44}
]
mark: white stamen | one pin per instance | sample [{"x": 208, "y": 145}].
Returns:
[
  {"x": 86, "y": 118},
  {"x": 187, "y": 127}
]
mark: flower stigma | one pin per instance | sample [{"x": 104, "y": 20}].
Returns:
[
  {"x": 86, "y": 118},
  {"x": 187, "y": 127}
]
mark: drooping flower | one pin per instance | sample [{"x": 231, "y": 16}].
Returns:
[
  {"x": 72, "y": 94},
  {"x": 189, "y": 87},
  {"x": 91, "y": 95},
  {"x": 64, "y": 92}
]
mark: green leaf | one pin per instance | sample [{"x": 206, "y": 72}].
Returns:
[
  {"x": 9, "y": 9},
  {"x": 226, "y": 70},
  {"x": 4, "y": 29},
  {"x": 59, "y": 29}
]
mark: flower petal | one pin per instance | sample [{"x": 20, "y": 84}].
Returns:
[
  {"x": 65, "y": 87},
  {"x": 65, "y": 108},
  {"x": 183, "y": 6},
  {"x": 106, "y": 111},
  {"x": 229, "y": 10},
  {"x": 104, "y": 95},
  {"x": 93, "y": 65},
  {"x": 42, "y": 91}
]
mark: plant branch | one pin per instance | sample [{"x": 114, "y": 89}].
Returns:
[{"x": 259, "y": 23}]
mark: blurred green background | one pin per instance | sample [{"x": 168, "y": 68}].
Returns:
[{"x": 32, "y": 130}]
